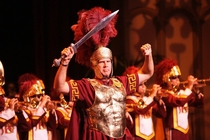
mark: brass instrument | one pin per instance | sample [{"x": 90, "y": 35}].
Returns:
[
  {"x": 62, "y": 102},
  {"x": 201, "y": 83},
  {"x": 34, "y": 103},
  {"x": 21, "y": 106},
  {"x": 133, "y": 101},
  {"x": 162, "y": 93}
]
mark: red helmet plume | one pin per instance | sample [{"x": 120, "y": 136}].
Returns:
[
  {"x": 87, "y": 20},
  {"x": 162, "y": 68},
  {"x": 25, "y": 82}
]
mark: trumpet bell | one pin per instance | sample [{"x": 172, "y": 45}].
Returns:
[{"x": 34, "y": 103}]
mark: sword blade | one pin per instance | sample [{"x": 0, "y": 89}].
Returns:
[{"x": 103, "y": 22}]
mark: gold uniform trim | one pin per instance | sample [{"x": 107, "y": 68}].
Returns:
[
  {"x": 132, "y": 82},
  {"x": 30, "y": 134},
  {"x": 175, "y": 113},
  {"x": 27, "y": 119},
  {"x": 75, "y": 90},
  {"x": 176, "y": 126},
  {"x": 2, "y": 120},
  {"x": 66, "y": 117},
  {"x": 35, "y": 117},
  {"x": 137, "y": 130},
  {"x": 116, "y": 82}
]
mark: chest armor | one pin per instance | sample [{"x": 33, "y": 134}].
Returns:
[{"x": 107, "y": 114}]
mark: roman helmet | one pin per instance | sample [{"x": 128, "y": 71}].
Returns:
[
  {"x": 95, "y": 48},
  {"x": 100, "y": 53},
  {"x": 2, "y": 92},
  {"x": 165, "y": 70},
  {"x": 29, "y": 86},
  {"x": 2, "y": 80},
  {"x": 36, "y": 89}
]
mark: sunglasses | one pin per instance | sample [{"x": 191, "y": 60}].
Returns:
[
  {"x": 173, "y": 77},
  {"x": 38, "y": 96}
]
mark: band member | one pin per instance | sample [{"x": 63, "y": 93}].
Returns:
[
  {"x": 39, "y": 109},
  {"x": 63, "y": 112},
  {"x": 8, "y": 119},
  {"x": 178, "y": 100},
  {"x": 100, "y": 103},
  {"x": 142, "y": 107}
]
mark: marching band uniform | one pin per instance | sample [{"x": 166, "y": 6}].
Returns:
[
  {"x": 142, "y": 108},
  {"x": 8, "y": 119},
  {"x": 43, "y": 121},
  {"x": 178, "y": 100},
  {"x": 64, "y": 116},
  {"x": 63, "y": 112}
]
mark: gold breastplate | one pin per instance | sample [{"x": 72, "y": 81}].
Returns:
[{"x": 107, "y": 114}]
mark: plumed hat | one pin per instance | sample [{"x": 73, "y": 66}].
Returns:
[
  {"x": 36, "y": 89},
  {"x": 165, "y": 69},
  {"x": 29, "y": 84},
  {"x": 88, "y": 19}
]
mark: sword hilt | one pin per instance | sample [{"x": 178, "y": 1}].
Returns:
[{"x": 57, "y": 62}]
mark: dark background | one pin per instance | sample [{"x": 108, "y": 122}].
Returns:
[{"x": 33, "y": 33}]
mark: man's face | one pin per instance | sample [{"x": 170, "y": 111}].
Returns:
[{"x": 105, "y": 67}]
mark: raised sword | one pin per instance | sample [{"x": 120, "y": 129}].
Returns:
[{"x": 103, "y": 22}]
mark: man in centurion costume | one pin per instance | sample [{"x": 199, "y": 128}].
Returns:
[
  {"x": 178, "y": 100},
  {"x": 100, "y": 103}
]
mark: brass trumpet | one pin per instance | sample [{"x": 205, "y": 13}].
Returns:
[
  {"x": 161, "y": 93},
  {"x": 62, "y": 102},
  {"x": 21, "y": 106},
  {"x": 201, "y": 83}
]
